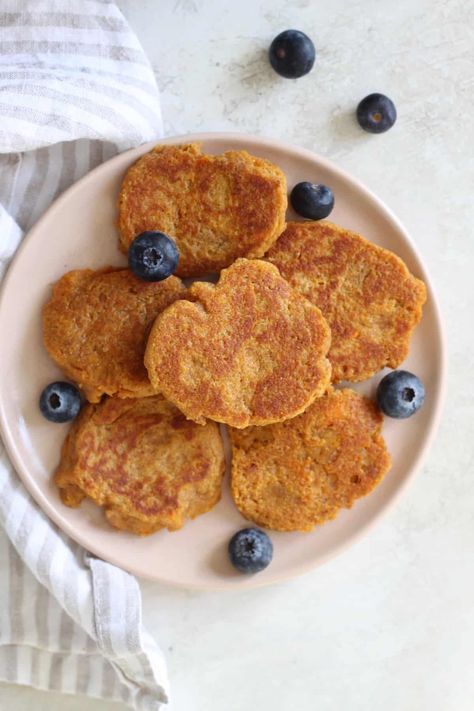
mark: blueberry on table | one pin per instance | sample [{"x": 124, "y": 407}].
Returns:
[
  {"x": 376, "y": 113},
  {"x": 153, "y": 256},
  {"x": 60, "y": 402},
  {"x": 312, "y": 200},
  {"x": 400, "y": 394},
  {"x": 292, "y": 54},
  {"x": 250, "y": 550}
]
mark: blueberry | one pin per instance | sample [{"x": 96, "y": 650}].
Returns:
[
  {"x": 292, "y": 54},
  {"x": 153, "y": 256},
  {"x": 60, "y": 402},
  {"x": 250, "y": 550},
  {"x": 312, "y": 200},
  {"x": 400, "y": 394},
  {"x": 376, "y": 113}
]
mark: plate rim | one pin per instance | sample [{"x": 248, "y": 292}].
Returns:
[{"x": 250, "y": 582}]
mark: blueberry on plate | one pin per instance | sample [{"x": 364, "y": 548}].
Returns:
[
  {"x": 153, "y": 256},
  {"x": 376, "y": 113},
  {"x": 400, "y": 394},
  {"x": 60, "y": 401},
  {"x": 250, "y": 550},
  {"x": 312, "y": 200},
  {"x": 292, "y": 54}
]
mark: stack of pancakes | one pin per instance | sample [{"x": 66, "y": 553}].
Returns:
[{"x": 297, "y": 309}]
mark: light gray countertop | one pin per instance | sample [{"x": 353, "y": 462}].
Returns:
[{"x": 390, "y": 623}]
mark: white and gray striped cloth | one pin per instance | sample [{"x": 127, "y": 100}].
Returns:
[{"x": 75, "y": 88}]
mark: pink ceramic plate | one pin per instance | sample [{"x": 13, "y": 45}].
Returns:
[{"x": 79, "y": 231}]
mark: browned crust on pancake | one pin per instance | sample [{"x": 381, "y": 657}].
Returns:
[
  {"x": 296, "y": 474},
  {"x": 248, "y": 350},
  {"x": 96, "y": 324},
  {"x": 216, "y": 208},
  {"x": 141, "y": 460},
  {"x": 369, "y": 298}
]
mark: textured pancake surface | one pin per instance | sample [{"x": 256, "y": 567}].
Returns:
[
  {"x": 216, "y": 208},
  {"x": 369, "y": 298},
  {"x": 96, "y": 324},
  {"x": 141, "y": 460},
  {"x": 248, "y": 350},
  {"x": 296, "y": 474}
]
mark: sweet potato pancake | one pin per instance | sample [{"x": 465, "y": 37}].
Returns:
[
  {"x": 216, "y": 208},
  {"x": 369, "y": 298},
  {"x": 96, "y": 324},
  {"x": 248, "y": 350},
  {"x": 296, "y": 474},
  {"x": 141, "y": 460}
]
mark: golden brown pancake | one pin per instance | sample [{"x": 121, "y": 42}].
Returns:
[
  {"x": 96, "y": 324},
  {"x": 369, "y": 298},
  {"x": 216, "y": 208},
  {"x": 248, "y": 350},
  {"x": 296, "y": 474},
  {"x": 141, "y": 460}
]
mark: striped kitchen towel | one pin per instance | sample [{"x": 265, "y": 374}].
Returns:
[{"x": 75, "y": 88}]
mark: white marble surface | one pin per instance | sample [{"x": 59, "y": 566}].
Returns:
[{"x": 389, "y": 624}]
